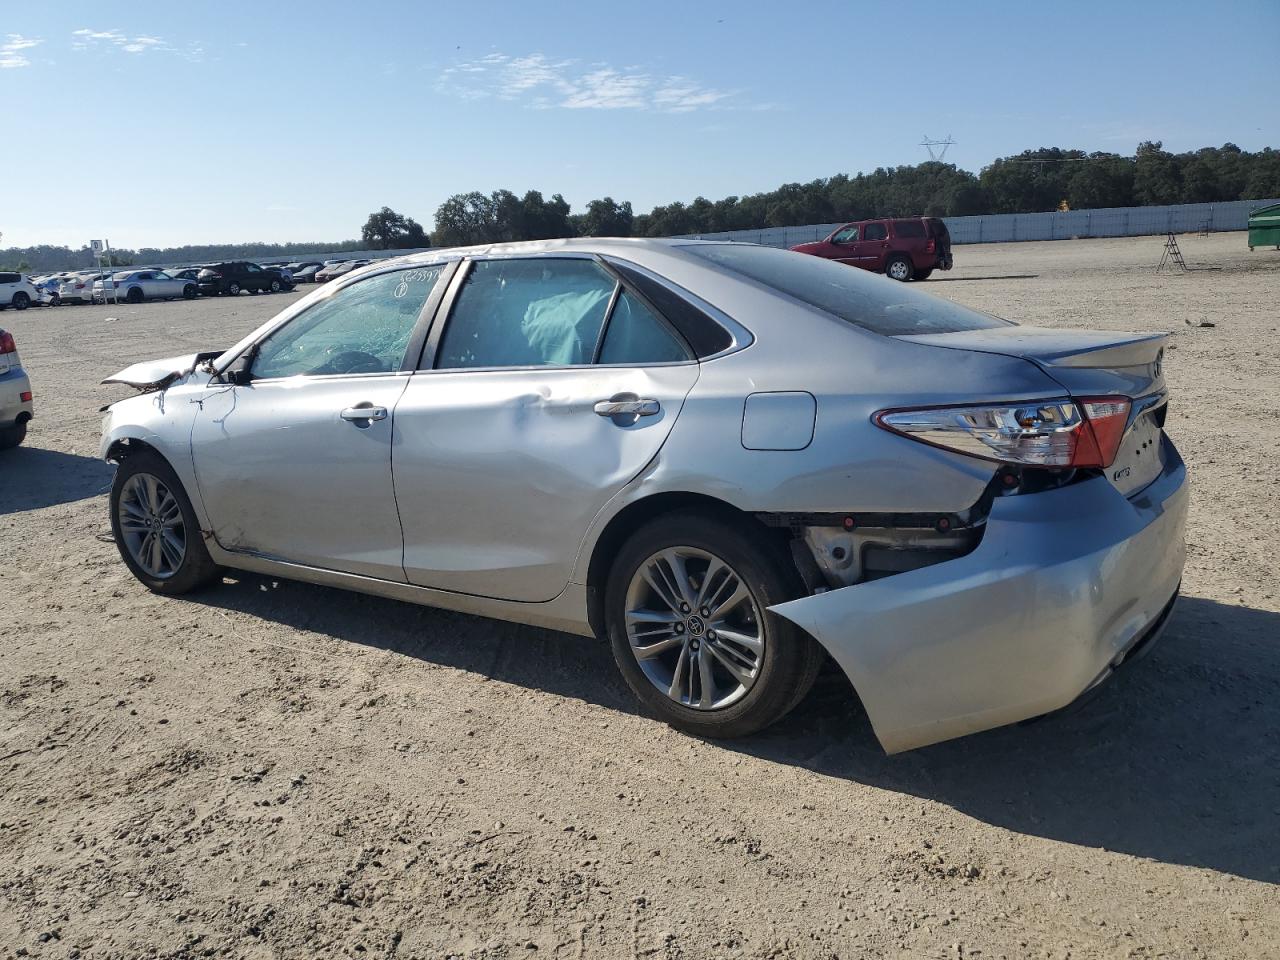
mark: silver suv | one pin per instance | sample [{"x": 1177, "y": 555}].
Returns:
[{"x": 15, "y": 394}]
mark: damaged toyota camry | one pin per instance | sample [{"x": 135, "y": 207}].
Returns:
[{"x": 728, "y": 460}]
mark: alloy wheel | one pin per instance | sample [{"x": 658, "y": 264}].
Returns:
[
  {"x": 900, "y": 270},
  {"x": 695, "y": 628},
  {"x": 151, "y": 526}
]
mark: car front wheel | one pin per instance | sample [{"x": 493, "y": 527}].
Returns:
[
  {"x": 686, "y": 607},
  {"x": 156, "y": 529}
]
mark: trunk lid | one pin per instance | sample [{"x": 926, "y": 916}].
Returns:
[{"x": 1091, "y": 363}]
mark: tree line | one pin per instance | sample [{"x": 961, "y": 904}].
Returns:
[{"x": 1049, "y": 178}]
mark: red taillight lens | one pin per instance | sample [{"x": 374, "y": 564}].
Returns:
[
  {"x": 6, "y": 343},
  {"x": 930, "y": 247},
  {"x": 1041, "y": 433},
  {"x": 1106, "y": 419},
  {"x": 25, "y": 396}
]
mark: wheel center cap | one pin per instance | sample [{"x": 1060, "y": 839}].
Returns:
[{"x": 695, "y": 626}]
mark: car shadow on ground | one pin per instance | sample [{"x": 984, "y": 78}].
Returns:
[
  {"x": 1177, "y": 758},
  {"x": 31, "y": 478},
  {"x": 1003, "y": 276}
]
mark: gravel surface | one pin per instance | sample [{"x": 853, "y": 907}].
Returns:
[{"x": 270, "y": 769}]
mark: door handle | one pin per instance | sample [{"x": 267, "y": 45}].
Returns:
[
  {"x": 625, "y": 409},
  {"x": 362, "y": 414}
]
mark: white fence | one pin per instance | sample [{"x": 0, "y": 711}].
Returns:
[{"x": 1009, "y": 227}]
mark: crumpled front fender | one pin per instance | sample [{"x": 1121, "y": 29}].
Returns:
[{"x": 1061, "y": 585}]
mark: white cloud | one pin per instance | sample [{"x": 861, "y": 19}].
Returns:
[
  {"x": 545, "y": 83},
  {"x": 11, "y": 56},
  {"x": 86, "y": 39}
]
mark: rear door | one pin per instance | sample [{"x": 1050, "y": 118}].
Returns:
[
  {"x": 872, "y": 246},
  {"x": 545, "y": 390}
]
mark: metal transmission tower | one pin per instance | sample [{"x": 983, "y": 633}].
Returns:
[{"x": 932, "y": 146}]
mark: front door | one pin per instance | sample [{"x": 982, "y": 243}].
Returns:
[
  {"x": 550, "y": 389},
  {"x": 843, "y": 245},
  {"x": 296, "y": 464}
]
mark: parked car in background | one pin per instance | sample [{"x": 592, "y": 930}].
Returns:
[
  {"x": 186, "y": 273},
  {"x": 904, "y": 248},
  {"x": 47, "y": 290},
  {"x": 134, "y": 286},
  {"x": 339, "y": 269},
  {"x": 306, "y": 272},
  {"x": 236, "y": 275},
  {"x": 15, "y": 394},
  {"x": 17, "y": 291},
  {"x": 731, "y": 461},
  {"x": 78, "y": 287}
]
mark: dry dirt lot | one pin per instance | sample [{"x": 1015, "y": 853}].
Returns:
[{"x": 269, "y": 769}]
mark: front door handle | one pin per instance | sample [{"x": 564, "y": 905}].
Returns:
[
  {"x": 362, "y": 414},
  {"x": 625, "y": 409}
]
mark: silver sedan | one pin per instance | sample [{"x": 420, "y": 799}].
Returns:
[
  {"x": 730, "y": 461},
  {"x": 134, "y": 286}
]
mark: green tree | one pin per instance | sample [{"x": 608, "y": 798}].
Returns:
[
  {"x": 1156, "y": 178},
  {"x": 388, "y": 230},
  {"x": 606, "y": 218}
]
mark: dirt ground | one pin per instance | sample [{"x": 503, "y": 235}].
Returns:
[{"x": 269, "y": 769}]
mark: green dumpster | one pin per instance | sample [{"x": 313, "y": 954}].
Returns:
[{"x": 1264, "y": 227}]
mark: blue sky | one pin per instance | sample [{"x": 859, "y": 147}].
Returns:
[{"x": 158, "y": 124}]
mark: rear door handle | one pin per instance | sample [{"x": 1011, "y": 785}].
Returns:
[
  {"x": 624, "y": 409},
  {"x": 362, "y": 414}
]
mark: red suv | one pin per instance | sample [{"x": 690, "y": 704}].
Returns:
[{"x": 909, "y": 248}]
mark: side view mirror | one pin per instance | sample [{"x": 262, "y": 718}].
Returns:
[{"x": 238, "y": 374}]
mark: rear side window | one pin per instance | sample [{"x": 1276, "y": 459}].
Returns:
[
  {"x": 875, "y": 231},
  {"x": 873, "y": 303},
  {"x": 636, "y": 335},
  {"x": 542, "y": 312},
  {"x": 8, "y": 278},
  {"x": 909, "y": 229},
  {"x": 702, "y": 333}
]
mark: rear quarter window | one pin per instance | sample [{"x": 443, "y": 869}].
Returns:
[
  {"x": 909, "y": 229},
  {"x": 882, "y": 306}
]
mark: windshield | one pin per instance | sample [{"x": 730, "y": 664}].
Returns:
[{"x": 882, "y": 306}]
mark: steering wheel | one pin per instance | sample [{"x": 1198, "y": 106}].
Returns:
[{"x": 352, "y": 361}]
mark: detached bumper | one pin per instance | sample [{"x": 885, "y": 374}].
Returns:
[{"x": 1062, "y": 586}]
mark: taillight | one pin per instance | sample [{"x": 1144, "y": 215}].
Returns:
[
  {"x": 6, "y": 343},
  {"x": 930, "y": 247},
  {"x": 1054, "y": 433}
]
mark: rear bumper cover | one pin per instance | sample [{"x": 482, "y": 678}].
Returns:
[
  {"x": 1062, "y": 585},
  {"x": 13, "y": 383}
]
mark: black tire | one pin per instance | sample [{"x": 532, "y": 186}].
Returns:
[
  {"x": 791, "y": 658},
  {"x": 923, "y": 274},
  {"x": 21, "y": 301},
  {"x": 189, "y": 292},
  {"x": 233, "y": 288},
  {"x": 56, "y": 300},
  {"x": 197, "y": 568},
  {"x": 898, "y": 267},
  {"x": 134, "y": 295},
  {"x": 10, "y": 437}
]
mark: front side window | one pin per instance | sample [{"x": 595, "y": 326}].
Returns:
[
  {"x": 363, "y": 328},
  {"x": 845, "y": 235},
  {"x": 542, "y": 312},
  {"x": 874, "y": 231}
]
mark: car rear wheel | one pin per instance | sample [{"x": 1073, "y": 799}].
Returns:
[
  {"x": 21, "y": 301},
  {"x": 134, "y": 295},
  {"x": 155, "y": 527},
  {"x": 899, "y": 268},
  {"x": 189, "y": 292},
  {"x": 686, "y": 606},
  {"x": 10, "y": 437}
]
